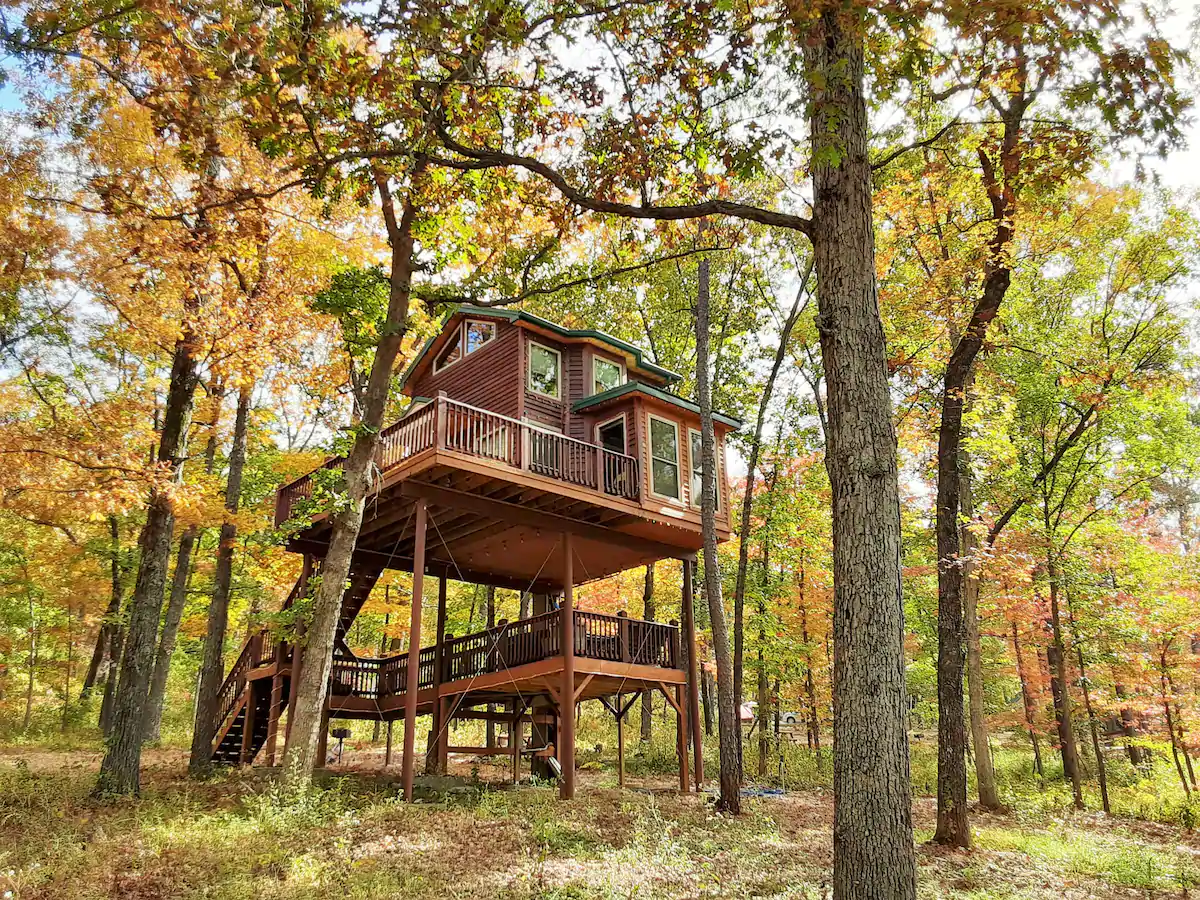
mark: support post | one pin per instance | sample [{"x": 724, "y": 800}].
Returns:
[
  {"x": 435, "y": 758},
  {"x": 247, "y": 748},
  {"x": 414, "y": 650},
  {"x": 387, "y": 753},
  {"x": 693, "y": 679},
  {"x": 566, "y": 732},
  {"x": 620, "y": 743},
  {"x": 681, "y": 719},
  {"x": 275, "y": 709}
]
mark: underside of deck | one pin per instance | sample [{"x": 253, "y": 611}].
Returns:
[{"x": 491, "y": 525}]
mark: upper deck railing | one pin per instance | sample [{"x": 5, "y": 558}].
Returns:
[{"x": 447, "y": 424}]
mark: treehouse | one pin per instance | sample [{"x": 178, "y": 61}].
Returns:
[{"x": 533, "y": 457}]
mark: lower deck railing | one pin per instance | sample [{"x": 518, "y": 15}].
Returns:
[{"x": 507, "y": 646}]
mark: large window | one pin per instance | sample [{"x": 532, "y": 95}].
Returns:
[
  {"x": 476, "y": 334},
  {"x": 606, "y": 375},
  {"x": 545, "y": 370},
  {"x": 468, "y": 337},
  {"x": 664, "y": 458},
  {"x": 695, "y": 459}
]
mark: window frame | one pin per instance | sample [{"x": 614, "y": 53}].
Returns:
[
  {"x": 460, "y": 340},
  {"x": 619, "y": 417},
  {"x": 467, "y": 323},
  {"x": 529, "y": 371},
  {"x": 693, "y": 469},
  {"x": 623, "y": 377},
  {"x": 650, "y": 419}
]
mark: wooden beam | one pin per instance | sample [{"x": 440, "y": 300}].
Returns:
[
  {"x": 414, "y": 655},
  {"x": 432, "y": 567},
  {"x": 519, "y": 515},
  {"x": 583, "y": 684}
]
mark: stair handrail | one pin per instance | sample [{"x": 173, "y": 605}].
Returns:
[{"x": 227, "y": 696}]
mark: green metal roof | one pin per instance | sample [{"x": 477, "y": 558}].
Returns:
[
  {"x": 515, "y": 315},
  {"x": 631, "y": 386}
]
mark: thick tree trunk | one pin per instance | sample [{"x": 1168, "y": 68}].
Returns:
[
  {"x": 729, "y": 727},
  {"x": 119, "y": 771},
  {"x": 212, "y": 668},
  {"x": 873, "y": 840},
  {"x": 1059, "y": 681},
  {"x": 308, "y": 714},
  {"x": 648, "y": 613}
]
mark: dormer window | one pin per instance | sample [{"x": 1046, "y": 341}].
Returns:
[
  {"x": 606, "y": 375},
  {"x": 476, "y": 334},
  {"x": 468, "y": 337}
]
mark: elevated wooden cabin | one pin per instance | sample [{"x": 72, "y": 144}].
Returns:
[{"x": 533, "y": 457}]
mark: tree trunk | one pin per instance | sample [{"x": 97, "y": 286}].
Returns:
[
  {"x": 170, "y": 631},
  {"x": 30, "y": 660},
  {"x": 764, "y": 709},
  {"x": 1059, "y": 681},
  {"x": 103, "y": 661},
  {"x": 739, "y": 590},
  {"x": 1129, "y": 726},
  {"x": 1170, "y": 721},
  {"x": 308, "y": 714},
  {"x": 176, "y": 602},
  {"x": 212, "y": 668},
  {"x": 1027, "y": 702},
  {"x": 873, "y": 840},
  {"x": 729, "y": 729},
  {"x": 648, "y": 613},
  {"x": 706, "y": 695},
  {"x": 985, "y": 775},
  {"x": 119, "y": 771},
  {"x": 1101, "y": 771}
]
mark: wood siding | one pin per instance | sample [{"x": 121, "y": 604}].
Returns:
[
  {"x": 539, "y": 408},
  {"x": 490, "y": 378}
]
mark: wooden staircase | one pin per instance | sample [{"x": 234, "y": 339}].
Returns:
[
  {"x": 246, "y": 707},
  {"x": 254, "y": 703}
]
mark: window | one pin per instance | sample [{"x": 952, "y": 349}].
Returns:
[
  {"x": 477, "y": 334},
  {"x": 545, "y": 366},
  {"x": 606, "y": 375},
  {"x": 697, "y": 472},
  {"x": 468, "y": 338},
  {"x": 664, "y": 458}
]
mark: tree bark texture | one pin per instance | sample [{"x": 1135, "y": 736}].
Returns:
[
  {"x": 739, "y": 590},
  {"x": 301, "y": 757},
  {"x": 729, "y": 729},
  {"x": 212, "y": 667},
  {"x": 873, "y": 841},
  {"x": 1059, "y": 681},
  {"x": 120, "y": 769}
]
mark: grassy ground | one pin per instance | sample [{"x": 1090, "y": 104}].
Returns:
[{"x": 235, "y": 837}]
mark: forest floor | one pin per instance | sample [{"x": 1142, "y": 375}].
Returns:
[{"x": 236, "y": 837}]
